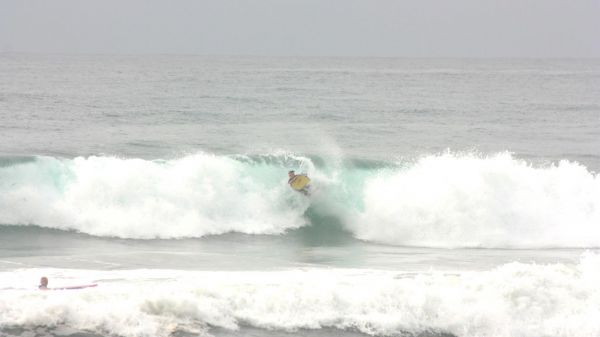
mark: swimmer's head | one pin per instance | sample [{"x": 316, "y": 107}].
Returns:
[{"x": 43, "y": 282}]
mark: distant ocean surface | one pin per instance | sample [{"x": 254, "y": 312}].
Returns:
[{"x": 449, "y": 197}]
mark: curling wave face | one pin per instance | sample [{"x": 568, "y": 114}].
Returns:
[
  {"x": 132, "y": 198},
  {"x": 511, "y": 300},
  {"x": 448, "y": 200}
]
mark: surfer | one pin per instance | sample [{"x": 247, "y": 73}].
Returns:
[
  {"x": 299, "y": 182},
  {"x": 291, "y": 176},
  {"x": 43, "y": 283}
]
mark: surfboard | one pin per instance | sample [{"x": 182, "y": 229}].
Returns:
[
  {"x": 300, "y": 181},
  {"x": 83, "y": 286}
]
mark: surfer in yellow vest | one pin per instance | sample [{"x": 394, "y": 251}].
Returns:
[{"x": 299, "y": 182}]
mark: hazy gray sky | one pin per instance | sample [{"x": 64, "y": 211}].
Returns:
[{"x": 479, "y": 28}]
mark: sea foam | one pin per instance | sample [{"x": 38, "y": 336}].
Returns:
[
  {"x": 471, "y": 201},
  {"x": 515, "y": 299}
]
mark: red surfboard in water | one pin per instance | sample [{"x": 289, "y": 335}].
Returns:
[{"x": 72, "y": 287}]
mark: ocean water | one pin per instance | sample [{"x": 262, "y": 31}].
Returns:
[{"x": 450, "y": 197}]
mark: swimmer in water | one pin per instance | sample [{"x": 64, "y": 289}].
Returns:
[{"x": 43, "y": 283}]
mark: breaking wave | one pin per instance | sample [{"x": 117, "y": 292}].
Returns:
[{"x": 446, "y": 200}]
